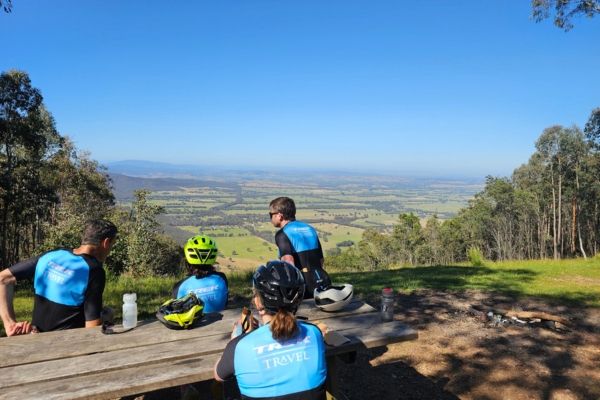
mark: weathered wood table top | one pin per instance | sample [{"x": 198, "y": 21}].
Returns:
[{"x": 84, "y": 363}]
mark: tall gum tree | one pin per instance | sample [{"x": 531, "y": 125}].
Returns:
[{"x": 27, "y": 138}]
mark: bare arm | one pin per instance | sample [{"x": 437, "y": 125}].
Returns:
[
  {"x": 91, "y": 324},
  {"x": 7, "y": 311},
  {"x": 288, "y": 258},
  {"x": 7, "y": 291},
  {"x": 216, "y": 376}
]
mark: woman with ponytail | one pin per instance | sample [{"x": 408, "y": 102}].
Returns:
[{"x": 285, "y": 358}]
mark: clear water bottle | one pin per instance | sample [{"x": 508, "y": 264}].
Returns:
[
  {"x": 387, "y": 304},
  {"x": 129, "y": 310}
]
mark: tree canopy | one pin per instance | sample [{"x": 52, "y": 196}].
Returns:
[
  {"x": 6, "y": 5},
  {"x": 563, "y": 11}
]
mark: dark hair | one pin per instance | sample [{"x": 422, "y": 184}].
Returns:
[
  {"x": 96, "y": 230},
  {"x": 284, "y": 205},
  {"x": 284, "y": 325},
  {"x": 199, "y": 270}
]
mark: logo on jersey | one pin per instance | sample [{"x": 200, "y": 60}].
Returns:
[{"x": 274, "y": 355}]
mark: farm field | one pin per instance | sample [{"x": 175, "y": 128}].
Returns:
[{"x": 235, "y": 213}]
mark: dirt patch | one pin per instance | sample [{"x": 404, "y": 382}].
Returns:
[{"x": 461, "y": 356}]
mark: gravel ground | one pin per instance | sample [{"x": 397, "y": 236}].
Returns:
[{"x": 460, "y": 355}]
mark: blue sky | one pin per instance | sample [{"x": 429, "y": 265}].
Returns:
[{"x": 428, "y": 87}]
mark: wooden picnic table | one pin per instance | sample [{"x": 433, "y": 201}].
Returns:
[{"x": 86, "y": 364}]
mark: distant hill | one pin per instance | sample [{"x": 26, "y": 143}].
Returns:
[
  {"x": 228, "y": 176},
  {"x": 153, "y": 169},
  {"x": 124, "y": 185}
]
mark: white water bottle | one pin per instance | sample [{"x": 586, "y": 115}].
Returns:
[{"x": 129, "y": 310}]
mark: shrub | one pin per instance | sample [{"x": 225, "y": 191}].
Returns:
[{"x": 475, "y": 256}]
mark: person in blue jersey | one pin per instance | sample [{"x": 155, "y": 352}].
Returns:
[
  {"x": 298, "y": 244},
  {"x": 203, "y": 279},
  {"x": 283, "y": 359},
  {"x": 68, "y": 284}
]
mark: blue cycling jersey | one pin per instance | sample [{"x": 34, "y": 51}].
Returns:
[
  {"x": 302, "y": 236},
  {"x": 300, "y": 240},
  {"x": 211, "y": 289},
  {"x": 62, "y": 277},
  {"x": 266, "y": 368},
  {"x": 68, "y": 288}
]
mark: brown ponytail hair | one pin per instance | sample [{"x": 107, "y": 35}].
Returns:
[
  {"x": 283, "y": 325},
  {"x": 199, "y": 271}
]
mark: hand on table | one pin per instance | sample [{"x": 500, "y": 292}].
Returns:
[{"x": 20, "y": 328}]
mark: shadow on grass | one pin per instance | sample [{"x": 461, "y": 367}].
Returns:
[
  {"x": 440, "y": 277},
  {"x": 508, "y": 282}
]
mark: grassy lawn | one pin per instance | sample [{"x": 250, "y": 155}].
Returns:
[
  {"x": 574, "y": 282},
  {"x": 571, "y": 281}
]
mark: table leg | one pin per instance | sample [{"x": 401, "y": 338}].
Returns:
[{"x": 332, "y": 378}]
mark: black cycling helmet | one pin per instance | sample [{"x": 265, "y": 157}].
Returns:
[{"x": 280, "y": 285}]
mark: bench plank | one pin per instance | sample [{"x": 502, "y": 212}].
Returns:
[
  {"x": 114, "y": 384},
  {"x": 124, "y": 360},
  {"x": 75, "y": 342}
]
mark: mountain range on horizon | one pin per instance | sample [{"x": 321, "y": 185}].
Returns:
[{"x": 157, "y": 169}]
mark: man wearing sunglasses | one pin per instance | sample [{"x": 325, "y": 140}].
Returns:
[{"x": 298, "y": 244}]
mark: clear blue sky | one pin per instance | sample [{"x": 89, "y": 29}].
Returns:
[{"x": 435, "y": 87}]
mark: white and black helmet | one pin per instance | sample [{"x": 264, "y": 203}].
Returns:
[{"x": 333, "y": 298}]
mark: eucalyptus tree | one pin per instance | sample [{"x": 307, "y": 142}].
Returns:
[
  {"x": 575, "y": 152},
  {"x": 591, "y": 181},
  {"x": 548, "y": 145},
  {"x": 406, "y": 237},
  {"x": 6, "y": 5},
  {"x": 28, "y": 137},
  {"x": 83, "y": 189},
  {"x": 563, "y": 11},
  {"x": 529, "y": 181}
]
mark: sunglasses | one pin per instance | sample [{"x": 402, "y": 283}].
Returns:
[{"x": 273, "y": 213}]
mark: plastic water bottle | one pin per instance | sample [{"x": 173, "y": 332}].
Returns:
[
  {"x": 387, "y": 304},
  {"x": 129, "y": 310}
]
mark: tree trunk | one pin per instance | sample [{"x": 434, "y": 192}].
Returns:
[
  {"x": 559, "y": 229},
  {"x": 554, "y": 242},
  {"x": 573, "y": 223},
  {"x": 581, "y": 243}
]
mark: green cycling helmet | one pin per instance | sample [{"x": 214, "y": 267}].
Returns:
[
  {"x": 200, "y": 250},
  {"x": 181, "y": 313}
]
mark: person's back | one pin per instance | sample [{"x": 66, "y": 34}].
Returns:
[
  {"x": 211, "y": 288},
  {"x": 68, "y": 284},
  {"x": 62, "y": 282},
  {"x": 298, "y": 243},
  {"x": 209, "y": 285},
  {"x": 305, "y": 245},
  {"x": 285, "y": 358},
  {"x": 266, "y": 368}
]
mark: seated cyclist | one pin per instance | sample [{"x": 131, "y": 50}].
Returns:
[
  {"x": 203, "y": 279},
  {"x": 284, "y": 358}
]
